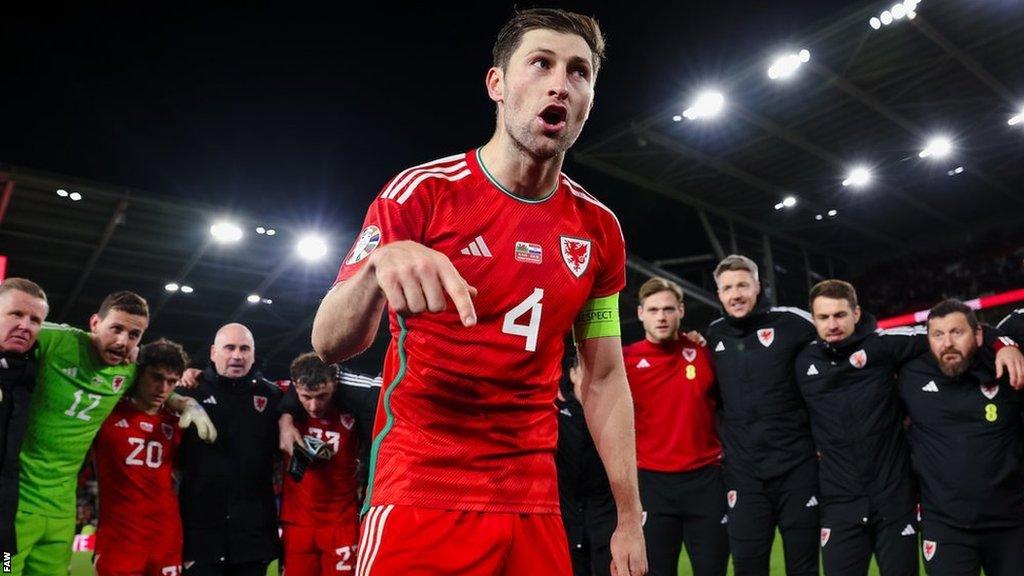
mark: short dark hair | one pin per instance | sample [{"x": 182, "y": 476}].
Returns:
[
  {"x": 952, "y": 306},
  {"x": 125, "y": 301},
  {"x": 309, "y": 372},
  {"x": 835, "y": 289},
  {"x": 659, "y": 284},
  {"x": 163, "y": 353},
  {"x": 23, "y": 285},
  {"x": 523, "y": 21}
]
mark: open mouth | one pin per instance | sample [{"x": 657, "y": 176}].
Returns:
[{"x": 553, "y": 117}]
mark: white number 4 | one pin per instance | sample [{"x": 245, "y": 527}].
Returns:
[{"x": 531, "y": 306}]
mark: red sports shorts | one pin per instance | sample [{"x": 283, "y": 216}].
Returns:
[
  {"x": 319, "y": 551},
  {"x": 411, "y": 541}
]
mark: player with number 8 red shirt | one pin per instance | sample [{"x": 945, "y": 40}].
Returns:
[{"x": 139, "y": 530}]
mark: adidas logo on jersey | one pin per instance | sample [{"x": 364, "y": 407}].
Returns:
[
  {"x": 477, "y": 248},
  {"x": 908, "y": 531},
  {"x": 122, "y": 423},
  {"x": 812, "y": 371},
  {"x": 70, "y": 371},
  {"x": 210, "y": 400},
  {"x": 643, "y": 363},
  {"x": 720, "y": 347},
  {"x": 930, "y": 387},
  {"x": 812, "y": 502}
]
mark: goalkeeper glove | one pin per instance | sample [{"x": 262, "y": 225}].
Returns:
[{"x": 193, "y": 414}]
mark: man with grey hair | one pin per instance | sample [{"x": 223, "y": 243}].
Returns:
[
  {"x": 771, "y": 472},
  {"x": 228, "y": 510}
]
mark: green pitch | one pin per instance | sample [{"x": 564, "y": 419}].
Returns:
[{"x": 81, "y": 564}]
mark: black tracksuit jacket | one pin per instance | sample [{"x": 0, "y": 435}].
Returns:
[{"x": 762, "y": 417}]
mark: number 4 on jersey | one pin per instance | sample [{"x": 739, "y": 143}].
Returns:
[{"x": 529, "y": 330}]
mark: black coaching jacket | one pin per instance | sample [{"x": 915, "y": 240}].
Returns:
[
  {"x": 967, "y": 443},
  {"x": 762, "y": 417},
  {"x": 1013, "y": 325},
  {"x": 857, "y": 421},
  {"x": 17, "y": 380},
  {"x": 228, "y": 510}
]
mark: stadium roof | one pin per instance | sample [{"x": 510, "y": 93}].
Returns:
[{"x": 865, "y": 96}]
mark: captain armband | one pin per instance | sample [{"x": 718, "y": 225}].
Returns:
[{"x": 598, "y": 318}]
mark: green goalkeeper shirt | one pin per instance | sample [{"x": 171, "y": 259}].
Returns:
[{"x": 75, "y": 391}]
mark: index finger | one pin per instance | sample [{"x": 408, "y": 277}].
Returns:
[{"x": 459, "y": 291}]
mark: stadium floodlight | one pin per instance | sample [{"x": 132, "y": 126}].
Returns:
[
  {"x": 874, "y": 23},
  {"x": 311, "y": 247},
  {"x": 898, "y": 11},
  {"x": 267, "y": 301},
  {"x": 171, "y": 287},
  {"x": 886, "y": 17},
  {"x": 955, "y": 171},
  {"x": 186, "y": 289},
  {"x": 75, "y": 196},
  {"x": 785, "y": 66},
  {"x": 62, "y": 193},
  {"x": 677, "y": 118},
  {"x": 1013, "y": 121},
  {"x": 818, "y": 216},
  {"x": 937, "y": 147},
  {"x": 253, "y": 299},
  {"x": 833, "y": 212},
  {"x": 859, "y": 176},
  {"x": 261, "y": 230},
  {"x": 787, "y": 202},
  {"x": 224, "y": 231},
  {"x": 707, "y": 104},
  {"x": 271, "y": 231}
]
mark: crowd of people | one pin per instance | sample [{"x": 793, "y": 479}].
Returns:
[{"x": 467, "y": 456}]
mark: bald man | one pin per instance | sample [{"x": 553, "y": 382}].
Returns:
[{"x": 228, "y": 512}]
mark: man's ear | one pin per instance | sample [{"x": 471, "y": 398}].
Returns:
[{"x": 495, "y": 82}]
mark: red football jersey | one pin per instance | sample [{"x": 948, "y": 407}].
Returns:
[
  {"x": 467, "y": 419},
  {"x": 327, "y": 493},
  {"x": 673, "y": 398},
  {"x": 135, "y": 455}
]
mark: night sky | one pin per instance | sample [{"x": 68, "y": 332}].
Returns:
[{"x": 306, "y": 109}]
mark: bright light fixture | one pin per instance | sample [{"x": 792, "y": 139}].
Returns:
[
  {"x": 311, "y": 247},
  {"x": 271, "y": 231},
  {"x": 886, "y": 17},
  {"x": 858, "y": 176},
  {"x": 224, "y": 231},
  {"x": 833, "y": 212},
  {"x": 186, "y": 289},
  {"x": 818, "y": 216},
  {"x": 785, "y": 66},
  {"x": 171, "y": 287},
  {"x": 787, "y": 202},
  {"x": 898, "y": 11},
  {"x": 937, "y": 147},
  {"x": 955, "y": 171},
  {"x": 75, "y": 196},
  {"x": 707, "y": 104},
  {"x": 875, "y": 22},
  {"x": 1013, "y": 121},
  {"x": 261, "y": 230},
  {"x": 62, "y": 193},
  {"x": 253, "y": 298},
  {"x": 677, "y": 118}
]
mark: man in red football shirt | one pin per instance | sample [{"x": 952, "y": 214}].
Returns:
[
  {"x": 319, "y": 510},
  {"x": 139, "y": 532},
  {"x": 678, "y": 452},
  {"x": 462, "y": 473}
]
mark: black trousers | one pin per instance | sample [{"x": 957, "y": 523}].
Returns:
[
  {"x": 846, "y": 547},
  {"x": 685, "y": 508},
  {"x": 950, "y": 551},
  {"x": 589, "y": 532},
  {"x": 222, "y": 569},
  {"x": 757, "y": 508}
]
